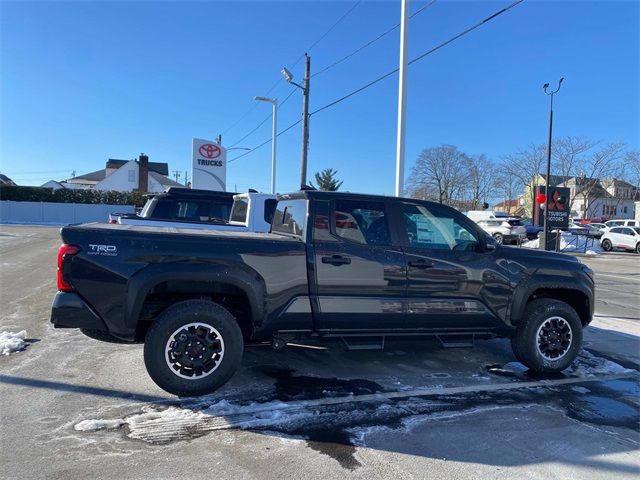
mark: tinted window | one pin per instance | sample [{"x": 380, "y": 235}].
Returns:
[
  {"x": 436, "y": 228},
  {"x": 637, "y": 230},
  {"x": 239, "y": 210},
  {"x": 616, "y": 230},
  {"x": 362, "y": 222},
  {"x": 289, "y": 217},
  {"x": 269, "y": 208},
  {"x": 627, "y": 231}
]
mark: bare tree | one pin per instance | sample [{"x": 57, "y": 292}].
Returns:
[
  {"x": 438, "y": 174},
  {"x": 506, "y": 184},
  {"x": 568, "y": 154},
  {"x": 524, "y": 166},
  {"x": 480, "y": 180}
]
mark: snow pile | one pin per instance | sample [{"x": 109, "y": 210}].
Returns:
[
  {"x": 572, "y": 243},
  {"x": 93, "y": 425},
  {"x": 12, "y": 342},
  {"x": 589, "y": 365}
]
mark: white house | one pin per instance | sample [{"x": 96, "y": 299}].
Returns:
[{"x": 123, "y": 176}]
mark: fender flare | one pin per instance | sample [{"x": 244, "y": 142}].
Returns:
[
  {"x": 140, "y": 284},
  {"x": 524, "y": 291}
]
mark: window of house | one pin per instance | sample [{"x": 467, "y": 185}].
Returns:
[{"x": 132, "y": 176}]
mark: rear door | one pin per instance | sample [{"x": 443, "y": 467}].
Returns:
[
  {"x": 360, "y": 278},
  {"x": 452, "y": 282}
]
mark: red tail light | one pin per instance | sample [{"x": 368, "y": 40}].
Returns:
[{"x": 63, "y": 251}]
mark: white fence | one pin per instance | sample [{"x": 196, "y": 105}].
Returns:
[{"x": 57, "y": 213}]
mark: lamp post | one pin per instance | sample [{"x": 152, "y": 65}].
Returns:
[
  {"x": 545, "y": 213},
  {"x": 288, "y": 76},
  {"x": 274, "y": 127},
  {"x": 402, "y": 97}
]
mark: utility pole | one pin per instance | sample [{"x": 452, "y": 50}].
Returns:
[
  {"x": 545, "y": 213},
  {"x": 402, "y": 97},
  {"x": 186, "y": 178},
  {"x": 176, "y": 174},
  {"x": 305, "y": 119},
  {"x": 288, "y": 76}
]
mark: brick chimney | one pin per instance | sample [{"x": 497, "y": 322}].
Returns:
[{"x": 143, "y": 173}]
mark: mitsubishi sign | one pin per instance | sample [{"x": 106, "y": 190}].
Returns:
[
  {"x": 209, "y": 165},
  {"x": 558, "y": 204}
]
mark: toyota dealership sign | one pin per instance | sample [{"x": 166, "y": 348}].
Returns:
[{"x": 209, "y": 165}]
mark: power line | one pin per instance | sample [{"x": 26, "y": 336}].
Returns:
[
  {"x": 265, "y": 142},
  {"x": 419, "y": 57},
  {"x": 370, "y": 42},
  {"x": 277, "y": 82}
]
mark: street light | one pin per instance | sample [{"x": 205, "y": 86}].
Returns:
[
  {"x": 274, "y": 118},
  {"x": 550, "y": 94}
]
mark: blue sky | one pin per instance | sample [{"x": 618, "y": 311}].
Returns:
[{"x": 86, "y": 81}]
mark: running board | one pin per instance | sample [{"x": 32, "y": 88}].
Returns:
[
  {"x": 456, "y": 341},
  {"x": 363, "y": 345}
]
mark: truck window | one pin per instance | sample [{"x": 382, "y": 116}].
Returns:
[
  {"x": 289, "y": 217},
  {"x": 436, "y": 229},
  {"x": 362, "y": 222},
  {"x": 269, "y": 208},
  {"x": 239, "y": 210}
]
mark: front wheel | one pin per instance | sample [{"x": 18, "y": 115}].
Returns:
[
  {"x": 606, "y": 245},
  {"x": 549, "y": 338},
  {"x": 638, "y": 248},
  {"x": 193, "y": 348},
  {"x": 498, "y": 238}
]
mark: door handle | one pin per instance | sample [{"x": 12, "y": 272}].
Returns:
[
  {"x": 422, "y": 263},
  {"x": 336, "y": 260}
]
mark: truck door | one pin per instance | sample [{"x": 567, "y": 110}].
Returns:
[
  {"x": 452, "y": 282},
  {"x": 360, "y": 278}
]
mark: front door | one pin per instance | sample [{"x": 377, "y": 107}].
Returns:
[
  {"x": 360, "y": 277},
  {"x": 452, "y": 282}
]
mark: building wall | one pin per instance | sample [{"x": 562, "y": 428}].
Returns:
[{"x": 125, "y": 179}]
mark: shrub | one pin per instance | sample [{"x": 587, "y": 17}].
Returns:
[{"x": 62, "y": 195}]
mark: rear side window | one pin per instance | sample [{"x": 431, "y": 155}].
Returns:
[
  {"x": 289, "y": 217},
  {"x": 362, "y": 222},
  {"x": 239, "y": 210},
  {"x": 269, "y": 209}
]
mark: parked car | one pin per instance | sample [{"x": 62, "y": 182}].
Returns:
[
  {"x": 509, "y": 230},
  {"x": 585, "y": 229},
  {"x": 626, "y": 238},
  {"x": 334, "y": 265},
  {"x": 532, "y": 230},
  {"x": 621, "y": 223}
]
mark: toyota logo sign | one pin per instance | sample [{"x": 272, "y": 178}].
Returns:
[{"x": 209, "y": 150}]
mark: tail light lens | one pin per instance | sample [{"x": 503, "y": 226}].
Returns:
[{"x": 64, "y": 251}]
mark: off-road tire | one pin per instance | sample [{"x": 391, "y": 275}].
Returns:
[
  {"x": 163, "y": 330},
  {"x": 525, "y": 342}
]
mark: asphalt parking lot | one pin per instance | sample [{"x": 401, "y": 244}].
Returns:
[{"x": 76, "y": 408}]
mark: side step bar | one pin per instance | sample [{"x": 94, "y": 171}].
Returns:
[
  {"x": 456, "y": 341},
  {"x": 364, "y": 343}
]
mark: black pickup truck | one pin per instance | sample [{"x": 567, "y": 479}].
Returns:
[{"x": 334, "y": 265}]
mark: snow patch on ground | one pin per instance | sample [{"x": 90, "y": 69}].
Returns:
[
  {"x": 589, "y": 365},
  {"x": 12, "y": 342},
  {"x": 572, "y": 243},
  {"x": 94, "y": 425}
]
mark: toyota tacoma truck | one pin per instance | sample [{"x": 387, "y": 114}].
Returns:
[{"x": 333, "y": 265}]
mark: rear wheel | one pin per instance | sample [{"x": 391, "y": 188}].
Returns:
[
  {"x": 498, "y": 237},
  {"x": 638, "y": 247},
  {"x": 193, "y": 348},
  {"x": 606, "y": 245},
  {"x": 550, "y": 336}
]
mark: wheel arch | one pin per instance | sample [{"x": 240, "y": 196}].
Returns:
[
  {"x": 238, "y": 277},
  {"x": 570, "y": 292}
]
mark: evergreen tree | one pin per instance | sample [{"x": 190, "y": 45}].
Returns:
[{"x": 326, "y": 180}]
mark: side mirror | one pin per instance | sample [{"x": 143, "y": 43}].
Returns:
[{"x": 490, "y": 243}]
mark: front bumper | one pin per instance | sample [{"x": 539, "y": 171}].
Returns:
[{"x": 70, "y": 311}]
